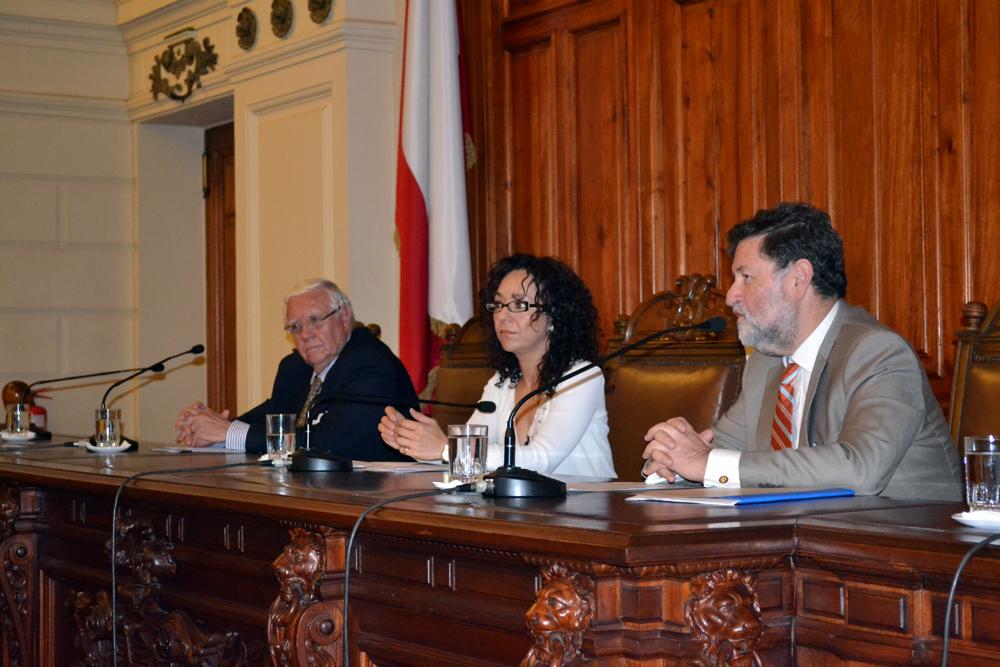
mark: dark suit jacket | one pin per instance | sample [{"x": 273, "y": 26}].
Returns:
[
  {"x": 870, "y": 420},
  {"x": 346, "y": 426}
]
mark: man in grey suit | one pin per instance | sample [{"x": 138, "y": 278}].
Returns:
[{"x": 830, "y": 396}]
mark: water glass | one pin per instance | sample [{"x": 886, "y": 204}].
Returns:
[
  {"x": 108, "y": 427},
  {"x": 18, "y": 418},
  {"x": 280, "y": 435},
  {"x": 467, "y": 445},
  {"x": 982, "y": 472}
]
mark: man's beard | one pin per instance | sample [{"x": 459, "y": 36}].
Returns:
[{"x": 776, "y": 338}]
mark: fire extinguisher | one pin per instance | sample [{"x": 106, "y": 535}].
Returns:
[{"x": 39, "y": 416}]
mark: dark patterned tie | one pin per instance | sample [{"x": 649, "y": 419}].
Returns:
[
  {"x": 781, "y": 428},
  {"x": 314, "y": 388}
]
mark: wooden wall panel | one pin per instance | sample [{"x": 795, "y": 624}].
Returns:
[
  {"x": 668, "y": 122},
  {"x": 597, "y": 210},
  {"x": 896, "y": 252},
  {"x": 532, "y": 138},
  {"x": 982, "y": 93},
  {"x": 565, "y": 152}
]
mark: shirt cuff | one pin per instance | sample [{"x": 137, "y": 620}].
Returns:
[
  {"x": 236, "y": 435},
  {"x": 723, "y": 469}
]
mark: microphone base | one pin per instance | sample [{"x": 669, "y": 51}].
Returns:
[
  {"x": 514, "y": 482},
  {"x": 315, "y": 460}
]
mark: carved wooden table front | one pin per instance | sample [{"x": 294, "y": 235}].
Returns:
[{"x": 246, "y": 567}]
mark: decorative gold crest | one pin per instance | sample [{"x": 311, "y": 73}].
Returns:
[{"x": 178, "y": 70}]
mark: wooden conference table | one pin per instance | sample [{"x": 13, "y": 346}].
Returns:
[{"x": 246, "y": 566}]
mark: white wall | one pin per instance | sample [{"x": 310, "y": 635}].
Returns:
[
  {"x": 101, "y": 220},
  {"x": 67, "y": 243}
]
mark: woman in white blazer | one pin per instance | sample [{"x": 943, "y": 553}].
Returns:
[{"x": 541, "y": 324}]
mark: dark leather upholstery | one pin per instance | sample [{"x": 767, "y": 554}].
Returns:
[
  {"x": 695, "y": 374},
  {"x": 975, "y": 392},
  {"x": 461, "y": 374}
]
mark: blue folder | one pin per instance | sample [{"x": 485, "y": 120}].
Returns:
[{"x": 753, "y": 498}]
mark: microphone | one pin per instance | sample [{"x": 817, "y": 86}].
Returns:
[
  {"x": 509, "y": 481},
  {"x": 487, "y": 407},
  {"x": 84, "y": 376},
  {"x": 156, "y": 368}
]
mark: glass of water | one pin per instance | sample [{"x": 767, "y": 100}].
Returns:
[
  {"x": 982, "y": 472},
  {"x": 107, "y": 427},
  {"x": 18, "y": 418},
  {"x": 467, "y": 445},
  {"x": 280, "y": 436}
]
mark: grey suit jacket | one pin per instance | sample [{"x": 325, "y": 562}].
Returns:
[{"x": 870, "y": 420}]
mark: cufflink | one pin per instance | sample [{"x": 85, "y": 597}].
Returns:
[{"x": 724, "y": 479}]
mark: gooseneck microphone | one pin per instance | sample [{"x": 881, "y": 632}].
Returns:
[
  {"x": 76, "y": 377},
  {"x": 155, "y": 368},
  {"x": 509, "y": 481},
  {"x": 487, "y": 407}
]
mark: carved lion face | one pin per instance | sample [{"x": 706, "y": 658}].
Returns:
[
  {"x": 724, "y": 610},
  {"x": 301, "y": 561},
  {"x": 559, "y": 608}
]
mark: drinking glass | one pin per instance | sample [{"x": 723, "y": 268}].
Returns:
[
  {"x": 280, "y": 435},
  {"x": 467, "y": 445},
  {"x": 982, "y": 472},
  {"x": 18, "y": 418},
  {"x": 108, "y": 427}
]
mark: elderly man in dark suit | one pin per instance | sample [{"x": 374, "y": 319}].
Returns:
[
  {"x": 830, "y": 396},
  {"x": 326, "y": 382}
]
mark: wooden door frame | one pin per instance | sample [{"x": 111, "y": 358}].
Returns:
[{"x": 220, "y": 266}]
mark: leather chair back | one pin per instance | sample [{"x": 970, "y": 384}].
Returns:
[
  {"x": 462, "y": 372},
  {"x": 975, "y": 391},
  {"x": 694, "y": 374}
]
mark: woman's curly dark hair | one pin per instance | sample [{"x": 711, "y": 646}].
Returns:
[{"x": 567, "y": 302}]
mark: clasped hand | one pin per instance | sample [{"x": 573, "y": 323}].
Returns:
[
  {"x": 675, "y": 448},
  {"x": 199, "y": 425},
  {"x": 419, "y": 437}
]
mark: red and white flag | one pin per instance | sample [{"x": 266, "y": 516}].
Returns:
[{"x": 431, "y": 214}]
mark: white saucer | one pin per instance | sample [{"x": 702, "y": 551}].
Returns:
[
  {"x": 17, "y": 437},
  {"x": 979, "y": 519},
  {"x": 108, "y": 450}
]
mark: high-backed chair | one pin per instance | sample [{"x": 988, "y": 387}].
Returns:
[
  {"x": 462, "y": 372},
  {"x": 975, "y": 391},
  {"x": 694, "y": 374}
]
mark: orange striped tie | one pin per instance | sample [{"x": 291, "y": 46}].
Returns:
[{"x": 781, "y": 428}]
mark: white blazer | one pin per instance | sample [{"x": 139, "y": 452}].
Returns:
[{"x": 569, "y": 434}]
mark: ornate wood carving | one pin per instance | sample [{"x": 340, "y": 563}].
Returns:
[
  {"x": 148, "y": 633},
  {"x": 319, "y": 10},
  {"x": 694, "y": 299},
  {"x": 178, "y": 70},
  {"x": 724, "y": 615},
  {"x": 17, "y": 587},
  {"x": 303, "y": 629},
  {"x": 10, "y": 505},
  {"x": 281, "y": 17},
  {"x": 92, "y": 619},
  {"x": 16, "y": 603},
  {"x": 559, "y": 618},
  {"x": 246, "y": 28}
]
